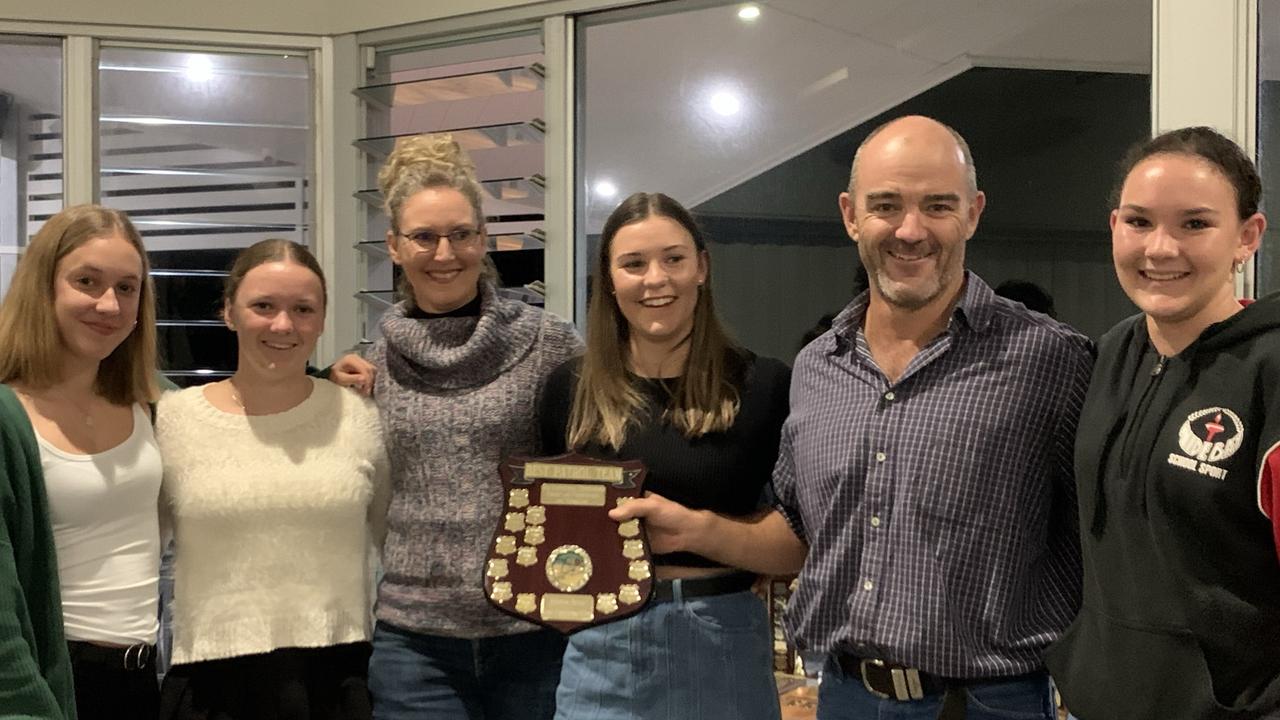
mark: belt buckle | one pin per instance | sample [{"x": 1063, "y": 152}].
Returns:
[
  {"x": 906, "y": 681},
  {"x": 142, "y": 653}
]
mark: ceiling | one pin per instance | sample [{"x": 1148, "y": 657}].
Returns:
[
  {"x": 657, "y": 93},
  {"x": 656, "y": 89}
]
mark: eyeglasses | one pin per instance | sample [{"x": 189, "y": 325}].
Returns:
[{"x": 461, "y": 239}]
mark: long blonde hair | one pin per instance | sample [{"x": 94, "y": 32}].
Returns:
[
  {"x": 431, "y": 161},
  {"x": 605, "y": 402},
  {"x": 30, "y": 343}
]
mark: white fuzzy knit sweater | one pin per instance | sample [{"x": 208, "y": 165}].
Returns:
[{"x": 273, "y": 518}]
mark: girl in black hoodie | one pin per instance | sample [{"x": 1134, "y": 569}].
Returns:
[{"x": 1177, "y": 454}]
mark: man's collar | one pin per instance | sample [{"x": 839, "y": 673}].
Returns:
[
  {"x": 975, "y": 309},
  {"x": 977, "y": 303}
]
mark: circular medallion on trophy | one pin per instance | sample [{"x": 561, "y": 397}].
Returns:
[{"x": 568, "y": 568}]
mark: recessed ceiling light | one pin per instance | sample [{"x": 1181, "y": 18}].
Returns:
[
  {"x": 749, "y": 12},
  {"x": 606, "y": 189},
  {"x": 726, "y": 103}
]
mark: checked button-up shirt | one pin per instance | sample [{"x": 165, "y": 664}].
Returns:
[{"x": 940, "y": 509}]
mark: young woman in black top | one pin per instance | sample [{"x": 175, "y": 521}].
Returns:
[
  {"x": 662, "y": 382},
  {"x": 1178, "y": 454}
]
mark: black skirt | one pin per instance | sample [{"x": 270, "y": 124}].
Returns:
[{"x": 327, "y": 683}]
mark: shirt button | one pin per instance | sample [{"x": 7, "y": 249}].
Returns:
[
  {"x": 867, "y": 585},
  {"x": 889, "y": 396},
  {"x": 875, "y": 521},
  {"x": 880, "y": 457}
]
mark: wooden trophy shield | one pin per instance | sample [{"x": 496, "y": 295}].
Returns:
[{"x": 557, "y": 559}]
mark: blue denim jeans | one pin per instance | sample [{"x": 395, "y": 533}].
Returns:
[
  {"x": 705, "y": 658},
  {"x": 1027, "y": 697},
  {"x": 510, "y": 677}
]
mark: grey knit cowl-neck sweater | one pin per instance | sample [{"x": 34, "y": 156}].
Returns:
[{"x": 456, "y": 396}]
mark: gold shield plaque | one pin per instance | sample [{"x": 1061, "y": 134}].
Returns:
[
  {"x": 505, "y": 544},
  {"x": 629, "y": 594},
  {"x": 632, "y": 549},
  {"x": 527, "y": 555},
  {"x": 535, "y": 535},
  {"x": 568, "y": 568},
  {"x": 515, "y": 522},
  {"x": 518, "y": 498},
  {"x": 638, "y": 570},
  {"x": 556, "y": 558},
  {"x": 501, "y": 592}
]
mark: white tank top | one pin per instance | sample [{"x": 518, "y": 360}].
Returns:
[{"x": 107, "y": 533}]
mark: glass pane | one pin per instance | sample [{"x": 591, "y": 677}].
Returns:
[
  {"x": 1268, "y": 265},
  {"x": 752, "y": 121},
  {"x": 208, "y": 153},
  {"x": 30, "y": 142},
  {"x": 488, "y": 94}
]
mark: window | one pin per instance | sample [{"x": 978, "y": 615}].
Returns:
[
  {"x": 488, "y": 94},
  {"x": 1268, "y": 263},
  {"x": 752, "y": 121},
  {"x": 30, "y": 142},
  {"x": 208, "y": 153}
]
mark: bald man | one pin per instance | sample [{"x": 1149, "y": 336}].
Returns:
[{"x": 924, "y": 479}]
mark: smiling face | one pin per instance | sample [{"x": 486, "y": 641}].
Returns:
[
  {"x": 911, "y": 212},
  {"x": 96, "y": 291},
  {"x": 446, "y": 276},
  {"x": 656, "y": 269},
  {"x": 277, "y": 314},
  {"x": 1175, "y": 238}
]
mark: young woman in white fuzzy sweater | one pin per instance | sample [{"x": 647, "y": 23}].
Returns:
[{"x": 277, "y": 487}]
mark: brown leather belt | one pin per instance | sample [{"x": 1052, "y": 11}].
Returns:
[{"x": 888, "y": 681}]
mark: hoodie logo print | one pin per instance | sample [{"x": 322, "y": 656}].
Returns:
[{"x": 1206, "y": 438}]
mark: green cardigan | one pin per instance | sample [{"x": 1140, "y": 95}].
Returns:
[{"x": 35, "y": 671}]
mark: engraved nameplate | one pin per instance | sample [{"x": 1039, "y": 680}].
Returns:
[
  {"x": 578, "y": 607},
  {"x": 579, "y": 473},
  {"x": 580, "y": 495}
]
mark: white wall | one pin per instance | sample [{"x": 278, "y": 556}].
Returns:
[
  {"x": 305, "y": 17},
  {"x": 308, "y": 17}
]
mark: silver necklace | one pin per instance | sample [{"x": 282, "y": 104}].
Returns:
[{"x": 86, "y": 414}]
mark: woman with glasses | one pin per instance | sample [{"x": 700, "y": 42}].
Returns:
[{"x": 458, "y": 373}]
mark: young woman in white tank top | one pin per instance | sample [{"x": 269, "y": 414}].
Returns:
[{"x": 77, "y": 347}]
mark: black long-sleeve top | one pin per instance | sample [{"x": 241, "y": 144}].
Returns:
[{"x": 724, "y": 472}]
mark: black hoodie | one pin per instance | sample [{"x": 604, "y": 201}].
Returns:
[{"x": 1181, "y": 615}]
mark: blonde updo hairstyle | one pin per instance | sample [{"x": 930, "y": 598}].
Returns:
[
  {"x": 427, "y": 161},
  {"x": 422, "y": 162}
]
